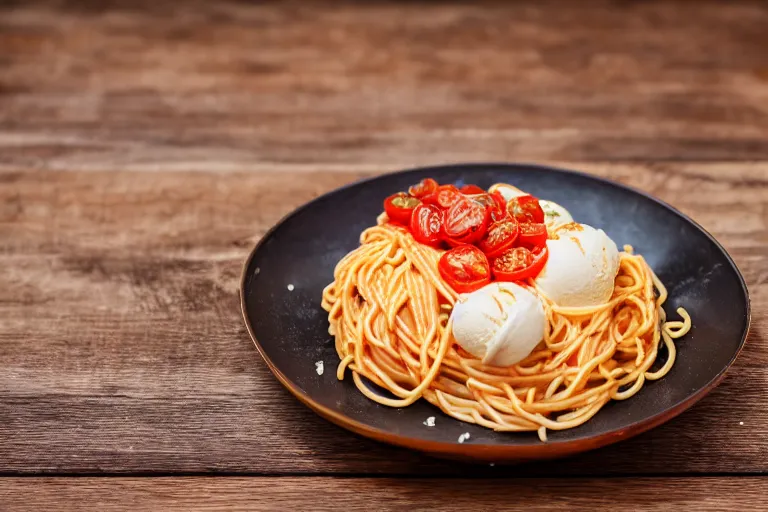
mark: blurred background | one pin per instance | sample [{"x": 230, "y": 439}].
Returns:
[{"x": 227, "y": 85}]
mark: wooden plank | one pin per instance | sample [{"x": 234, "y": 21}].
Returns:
[
  {"x": 122, "y": 348},
  {"x": 229, "y": 84},
  {"x": 416, "y": 494}
]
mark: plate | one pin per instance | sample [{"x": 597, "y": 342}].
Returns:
[{"x": 285, "y": 274}]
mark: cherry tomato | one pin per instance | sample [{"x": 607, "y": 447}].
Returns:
[
  {"x": 452, "y": 242},
  {"x": 499, "y": 212},
  {"x": 495, "y": 201},
  {"x": 471, "y": 189},
  {"x": 444, "y": 196},
  {"x": 465, "y": 268},
  {"x": 501, "y": 236},
  {"x": 399, "y": 207},
  {"x": 532, "y": 234},
  {"x": 423, "y": 188},
  {"x": 466, "y": 222},
  {"x": 520, "y": 263},
  {"x": 427, "y": 224},
  {"x": 525, "y": 209}
]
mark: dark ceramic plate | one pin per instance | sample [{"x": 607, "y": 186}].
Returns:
[{"x": 290, "y": 329}]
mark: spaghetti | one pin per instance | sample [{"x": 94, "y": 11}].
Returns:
[{"x": 389, "y": 310}]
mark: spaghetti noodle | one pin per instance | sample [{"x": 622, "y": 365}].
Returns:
[{"x": 389, "y": 311}]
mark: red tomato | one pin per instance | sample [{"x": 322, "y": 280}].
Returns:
[
  {"x": 532, "y": 234},
  {"x": 471, "y": 189},
  {"x": 525, "y": 209},
  {"x": 427, "y": 224},
  {"x": 495, "y": 201},
  {"x": 453, "y": 242},
  {"x": 499, "y": 211},
  {"x": 399, "y": 207},
  {"x": 465, "y": 268},
  {"x": 501, "y": 236},
  {"x": 466, "y": 221},
  {"x": 423, "y": 188},
  {"x": 444, "y": 196},
  {"x": 520, "y": 263}
]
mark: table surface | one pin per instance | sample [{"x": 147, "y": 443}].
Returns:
[{"x": 145, "y": 147}]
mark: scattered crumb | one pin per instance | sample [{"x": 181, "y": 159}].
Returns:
[
  {"x": 430, "y": 421},
  {"x": 290, "y": 287},
  {"x": 319, "y": 367},
  {"x": 256, "y": 271},
  {"x": 463, "y": 437},
  {"x": 741, "y": 423},
  {"x": 492, "y": 464}
]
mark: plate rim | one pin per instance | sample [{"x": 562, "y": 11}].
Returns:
[{"x": 485, "y": 451}]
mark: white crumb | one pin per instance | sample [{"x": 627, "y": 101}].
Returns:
[
  {"x": 319, "y": 367},
  {"x": 290, "y": 287},
  {"x": 430, "y": 421},
  {"x": 463, "y": 437},
  {"x": 256, "y": 271},
  {"x": 741, "y": 423},
  {"x": 492, "y": 464}
]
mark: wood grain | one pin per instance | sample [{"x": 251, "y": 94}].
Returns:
[
  {"x": 224, "y": 85},
  {"x": 146, "y": 146},
  {"x": 412, "y": 494},
  {"x": 122, "y": 348}
]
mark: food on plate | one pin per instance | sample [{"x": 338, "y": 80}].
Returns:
[
  {"x": 581, "y": 268},
  {"x": 498, "y": 308},
  {"x": 500, "y": 324}
]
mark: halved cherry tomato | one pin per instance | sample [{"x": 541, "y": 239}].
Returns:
[
  {"x": 444, "y": 196},
  {"x": 423, "y": 188},
  {"x": 520, "y": 263},
  {"x": 501, "y": 236},
  {"x": 499, "y": 212},
  {"x": 399, "y": 207},
  {"x": 471, "y": 189},
  {"x": 495, "y": 201},
  {"x": 453, "y": 242},
  {"x": 466, "y": 222},
  {"x": 427, "y": 224},
  {"x": 532, "y": 234},
  {"x": 465, "y": 268},
  {"x": 525, "y": 209}
]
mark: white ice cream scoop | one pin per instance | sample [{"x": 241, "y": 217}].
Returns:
[
  {"x": 554, "y": 215},
  {"x": 581, "y": 268},
  {"x": 500, "y": 323}
]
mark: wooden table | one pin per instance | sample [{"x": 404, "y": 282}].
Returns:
[{"x": 145, "y": 148}]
